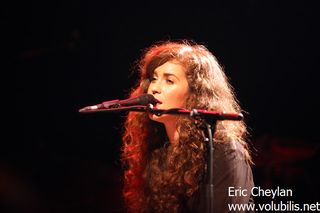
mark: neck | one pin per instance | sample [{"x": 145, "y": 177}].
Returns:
[{"x": 172, "y": 131}]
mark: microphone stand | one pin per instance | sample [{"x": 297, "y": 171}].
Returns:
[
  {"x": 208, "y": 128},
  {"x": 204, "y": 120},
  {"x": 207, "y": 115}
]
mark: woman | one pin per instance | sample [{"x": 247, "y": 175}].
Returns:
[{"x": 165, "y": 155}]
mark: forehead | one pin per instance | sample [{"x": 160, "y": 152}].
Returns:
[{"x": 170, "y": 67}]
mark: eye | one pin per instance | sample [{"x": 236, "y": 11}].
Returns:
[
  {"x": 169, "y": 81},
  {"x": 153, "y": 79}
]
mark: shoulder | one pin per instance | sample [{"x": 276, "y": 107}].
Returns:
[
  {"x": 231, "y": 166},
  {"x": 230, "y": 150},
  {"x": 230, "y": 171}
]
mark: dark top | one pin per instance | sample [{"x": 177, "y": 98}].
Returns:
[{"x": 230, "y": 171}]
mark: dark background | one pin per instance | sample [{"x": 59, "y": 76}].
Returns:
[{"x": 67, "y": 55}]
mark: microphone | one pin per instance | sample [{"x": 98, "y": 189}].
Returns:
[{"x": 144, "y": 100}]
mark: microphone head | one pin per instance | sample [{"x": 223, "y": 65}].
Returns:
[
  {"x": 149, "y": 99},
  {"x": 144, "y": 100}
]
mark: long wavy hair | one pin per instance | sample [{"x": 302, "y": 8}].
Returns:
[{"x": 158, "y": 176}]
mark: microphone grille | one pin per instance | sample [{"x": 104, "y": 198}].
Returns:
[{"x": 149, "y": 99}]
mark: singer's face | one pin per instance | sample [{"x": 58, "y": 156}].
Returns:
[{"x": 170, "y": 86}]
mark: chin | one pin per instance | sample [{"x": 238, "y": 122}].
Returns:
[
  {"x": 162, "y": 118},
  {"x": 156, "y": 117}
]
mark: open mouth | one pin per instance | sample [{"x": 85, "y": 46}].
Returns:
[{"x": 157, "y": 105}]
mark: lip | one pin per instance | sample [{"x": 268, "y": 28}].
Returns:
[
  {"x": 157, "y": 105},
  {"x": 159, "y": 102}
]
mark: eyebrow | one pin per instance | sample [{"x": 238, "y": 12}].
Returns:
[{"x": 166, "y": 74}]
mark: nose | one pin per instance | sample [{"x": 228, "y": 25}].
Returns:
[{"x": 155, "y": 88}]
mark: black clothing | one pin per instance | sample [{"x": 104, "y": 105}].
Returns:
[{"x": 230, "y": 169}]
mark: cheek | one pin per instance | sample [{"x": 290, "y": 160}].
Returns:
[
  {"x": 148, "y": 90},
  {"x": 179, "y": 98}
]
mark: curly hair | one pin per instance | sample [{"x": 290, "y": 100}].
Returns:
[{"x": 159, "y": 176}]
